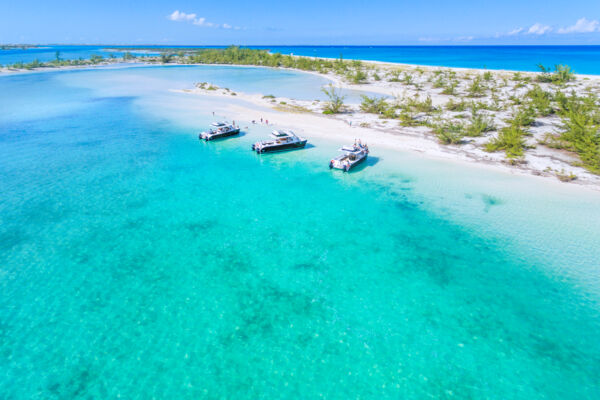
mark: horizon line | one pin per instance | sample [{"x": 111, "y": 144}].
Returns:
[{"x": 298, "y": 45}]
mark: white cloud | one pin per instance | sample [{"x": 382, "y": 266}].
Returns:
[
  {"x": 181, "y": 16},
  {"x": 583, "y": 25},
  {"x": 515, "y": 32},
  {"x": 539, "y": 29},
  {"x": 200, "y": 21},
  {"x": 464, "y": 38}
]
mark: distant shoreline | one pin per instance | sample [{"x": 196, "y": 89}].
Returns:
[
  {"x": 497, "y": 57},
  {"x": 19, "y": 47}
]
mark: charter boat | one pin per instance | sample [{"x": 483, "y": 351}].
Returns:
[
  {"x": 219, "y": 130},
  {"x": 282, "y": 140},
  {"x": 350, "y": 157}
]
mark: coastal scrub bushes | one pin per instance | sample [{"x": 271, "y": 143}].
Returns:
[
  {"x": 375, "y": 105},
  {"x": 561, "y": 75},
  {"x": 407, "y": 117},
  {"x": 440, "y": 82},
  {"x": 541, "y": 101},
  {"x": 394, "y": 75},
  {"x": 476, "y": 89},
  {"x": 580, "y": 131},
  {"x": 410, "y": 107},
  {"x": 416, "y": 104},
  {"x": 335, "y": 105},
  {"x": 459, "y": 106},
  {"x": 450, "y": 88},
  {"x": 511, "y": 140},
  {"x": 166, "y": 58},
  {"x": 57, "y": 62},
  {"x": 236, "y": 55},
  {"x": 357, "y": 77},
  {"x": 448, "y": 132},
  {"x": 478, "y": 124},
  {"x": 523, "y": 116}
]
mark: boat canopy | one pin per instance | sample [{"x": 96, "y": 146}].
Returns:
[
  {"x": 280, "y": 134},
  {"x": 351, "y": 149}
]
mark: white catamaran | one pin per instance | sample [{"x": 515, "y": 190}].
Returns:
[
  {"x": 282, "y": 140},
  {"x": 219, "y": 130}
]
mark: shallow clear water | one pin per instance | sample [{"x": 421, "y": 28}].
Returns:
[
  {"x": 583, "y": 59},
  {"x": 149, "y": 80},
  {"x": 136, "y": 261}
]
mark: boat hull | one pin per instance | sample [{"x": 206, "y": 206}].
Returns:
[
  {"x": 280, "y": 147},
  {"x": 345, "y": 167},
  {"x": 208, "y": 137}
]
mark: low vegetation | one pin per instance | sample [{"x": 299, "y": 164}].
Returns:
[
  {"x": 580, "y": 129},
  {"x": 479, "y": 123},
  {"x": 511, "y": 140},
  {"x": 448, "y": 132},
  {"x": 335, "y": 104},
  {"x": 374, "y": 105},
  {"x": 561, "y": 75}
]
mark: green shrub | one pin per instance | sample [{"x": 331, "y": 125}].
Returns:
[
  {"x": 394, "y": 75},
  {"x": 440, "y": 82},
  {"x": 510, "y": 139},
  {"x": 561, "y": 75},
  {"x": 581, "y": 130},
  {"x": 407, "y": 117},
  {"x": 459, "y": 106},
  {"x": 541, "y": 100},
  {"x": 478, "y": 124},
  {"x": 524, "y": 116},
  {"x": 450, "y": 88},
  {"x": 335, "y": 104},
  {"x": 375, "y": 105},
  {"x": 448, "y": 132},
  {"x": 476, "y": 89},
  {"x": 358, "y": 77}
]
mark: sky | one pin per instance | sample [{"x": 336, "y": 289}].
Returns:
[{"x": 310, "y": 22}]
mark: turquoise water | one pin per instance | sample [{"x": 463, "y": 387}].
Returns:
[
  {"x": 149, "y": 80},
  {"x": 138, "y": 262},
  {"x": 583, "y": 59}
]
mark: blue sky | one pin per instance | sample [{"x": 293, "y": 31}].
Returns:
[{"x": 375, "y": 22}]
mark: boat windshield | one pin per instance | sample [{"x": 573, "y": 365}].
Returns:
[{"x": 279, "y": 134}]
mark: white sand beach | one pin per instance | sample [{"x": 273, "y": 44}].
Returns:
[{"x": 307, "y": 117}]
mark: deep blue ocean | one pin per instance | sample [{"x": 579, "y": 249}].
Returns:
[{"x": 583, "y": 59}]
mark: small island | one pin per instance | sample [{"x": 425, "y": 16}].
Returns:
[
  {"x": 545, "y": 123},
  {"x": 18, "y": 46}
]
